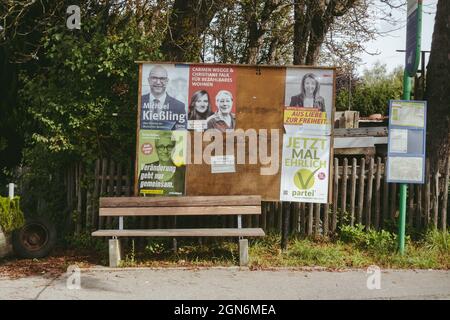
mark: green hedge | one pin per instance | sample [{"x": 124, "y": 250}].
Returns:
[{"x": 11, "y": 217}]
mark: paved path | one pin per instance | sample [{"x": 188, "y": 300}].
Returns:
[{"x": 231, "y": 283}]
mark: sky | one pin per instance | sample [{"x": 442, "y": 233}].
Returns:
[{"x": 396, "y": 40}]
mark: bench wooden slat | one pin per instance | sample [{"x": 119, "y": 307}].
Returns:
[
  {"x": 180, "y": 211},
  {"x": 185, "y": 201},
  {"x": 229, "y": 232}
]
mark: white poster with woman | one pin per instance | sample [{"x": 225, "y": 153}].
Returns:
[{"x": 309, "y": 100}]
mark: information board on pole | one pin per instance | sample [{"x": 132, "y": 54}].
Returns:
[{"x": 406, "y": 141}]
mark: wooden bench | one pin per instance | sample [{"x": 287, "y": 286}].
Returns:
[{"x": 179, "y": 206}]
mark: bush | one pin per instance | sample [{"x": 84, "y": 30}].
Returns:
[
  {"x": 353, "y": 234},
  {"x": 437, "y": 240},
  {"x": 157, "y": 247},
  {"x": 11, "y": 217},
  {"x": 380, "y": 242}
]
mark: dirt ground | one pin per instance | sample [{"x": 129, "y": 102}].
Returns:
[{"x": 54, "y": 265}]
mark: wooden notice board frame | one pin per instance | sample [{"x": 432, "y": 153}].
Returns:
[{"x": 260, "y": 102}]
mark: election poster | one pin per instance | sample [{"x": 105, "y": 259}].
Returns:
[
  {"x": 212, "y": 97},
  {"x": 305, "y": 168},
  {"x": 175, "y": 99},
  {"x": 309, "y": 100},
  {"x": 164, "y": 97},
  {"x": 162, "y": 162}
]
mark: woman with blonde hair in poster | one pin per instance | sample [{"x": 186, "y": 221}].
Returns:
[{"x": 223, "y": 119}]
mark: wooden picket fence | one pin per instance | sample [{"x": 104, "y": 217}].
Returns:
[{"x": 360, "y": 195}]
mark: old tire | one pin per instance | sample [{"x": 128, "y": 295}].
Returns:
[{"x": 35, "y": 239}]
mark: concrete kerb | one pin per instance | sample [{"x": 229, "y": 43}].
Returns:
[
  {"x": 230, "y": 268},
  {"x": 240, "y": 268}
]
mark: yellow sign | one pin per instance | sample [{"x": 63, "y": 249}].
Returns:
[{"x": 299, "y": 116}]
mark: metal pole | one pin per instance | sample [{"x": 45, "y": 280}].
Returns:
[
  {"x": 11, "y": 190},
  {"x": 403, "y": 186},
  {"x": 407, "y": 96}
]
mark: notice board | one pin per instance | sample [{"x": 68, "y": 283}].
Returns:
[{"x": 260, "y": 95}]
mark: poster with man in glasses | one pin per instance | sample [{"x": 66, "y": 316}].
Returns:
[
  {"x": 164, "y": 97},
  {"x": 162, "y": 163}
]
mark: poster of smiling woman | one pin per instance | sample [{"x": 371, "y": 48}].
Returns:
[
  {"x": 309, "y": 100},
  {"x": 305, "y": 168}
]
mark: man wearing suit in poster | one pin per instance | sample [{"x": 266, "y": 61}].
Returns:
[{"x": 160, "y": 111}]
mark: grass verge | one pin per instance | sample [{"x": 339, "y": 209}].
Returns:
[{"x": 351, "y": 248}]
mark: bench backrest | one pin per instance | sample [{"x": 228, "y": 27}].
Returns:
[{"x": 170, "y": 206}]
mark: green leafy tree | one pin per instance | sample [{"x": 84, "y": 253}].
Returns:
[
  {"x": 80, "y": 98},
  {"x": 371, "y": 93}
]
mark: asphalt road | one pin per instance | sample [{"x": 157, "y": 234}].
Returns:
[{"x": 229, "y": 283}]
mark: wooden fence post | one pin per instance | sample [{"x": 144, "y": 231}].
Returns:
[
  {"x": 344, "y": 190},
  {"x": 79, "y": 199},
  {"x": 103, "y": 188},
  {"x": 325, "y": 219},
  {"x": 436, "y": 198},
  {"x": 335, "y": 195},
  {"x": 310, "y": 219},
  {"x": 119, "y": 180},
  {"x": 362, "y": 174},
  {"x": 427, "y": 192},
  {"x": 295, "y": 208},
  {"x": 302, "y": 218},
  {"x": 353, "y": 192},
  {"x": 377, "y": 194},
  {"x": 369, "y": 194},
  {"x": 385, "y": 214},
  {"x": 285, "y": 224},
  {"x": 393, "y": 200},
  {"x": 109, "y": 220},
  {"x": 264, "y": 209},
  {"x": 419, "y": 209},
  {"x": 70, "y": 196},
  {"x": 411, "y": 205},
  {"x": 316, "y": 219},
  {"x": 95, "y": 195},
  {"x": 88, "y": 224}
]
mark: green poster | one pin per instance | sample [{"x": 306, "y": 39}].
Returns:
[{"x": 162, "y": 163}]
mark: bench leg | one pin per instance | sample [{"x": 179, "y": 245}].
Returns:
[
  {"x": 243, "y": 252},
  {"x": 114, "y": 253}
]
